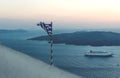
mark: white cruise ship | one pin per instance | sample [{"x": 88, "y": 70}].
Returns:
[{"x": 98, "y": 54}]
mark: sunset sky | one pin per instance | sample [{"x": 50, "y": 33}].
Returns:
[{"x": 64, "y": 13}]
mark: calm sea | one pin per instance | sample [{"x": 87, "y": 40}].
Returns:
[{"x": 68, "y": 57}]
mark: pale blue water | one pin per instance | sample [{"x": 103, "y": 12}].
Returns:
[{"x": 68, "y": 57}]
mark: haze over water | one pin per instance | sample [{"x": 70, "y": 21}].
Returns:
[{"x": 69, "y": 14}]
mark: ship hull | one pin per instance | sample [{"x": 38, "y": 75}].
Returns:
[{"x": 98, "y": 55}]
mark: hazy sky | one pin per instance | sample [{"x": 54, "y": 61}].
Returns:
[{"x": 63, "y": 13}]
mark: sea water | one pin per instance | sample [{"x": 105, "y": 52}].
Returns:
[{"x": 68, "y": 57}]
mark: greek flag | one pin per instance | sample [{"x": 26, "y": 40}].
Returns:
[{"x": 46, "y": 27}]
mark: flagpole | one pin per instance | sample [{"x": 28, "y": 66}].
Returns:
[
  {"x": 51, "y": 50},
  {"x": 48, "y": 29}
]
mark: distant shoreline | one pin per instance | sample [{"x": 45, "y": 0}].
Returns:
[{"x": 92, "y": 38}]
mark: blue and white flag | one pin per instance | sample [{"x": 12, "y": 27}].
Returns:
[{"x": 46, "y": 27}]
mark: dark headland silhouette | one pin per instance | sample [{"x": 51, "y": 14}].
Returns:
[{"x": 93, "y": 38}]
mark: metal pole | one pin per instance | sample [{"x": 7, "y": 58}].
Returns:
[
  {"x": 43, "y": 25},
  {"x": 51, "y": 52}
]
